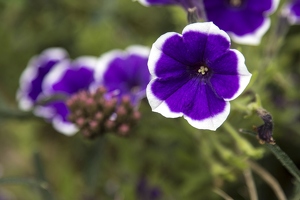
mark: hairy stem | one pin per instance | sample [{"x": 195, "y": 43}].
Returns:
[
  {"x": 250, "y": 184},
  {"x": 269, "y": 179}
]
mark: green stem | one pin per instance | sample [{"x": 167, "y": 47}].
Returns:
[
  {"x": 8, "y": 113},
  {"x": 24, "y": 181},
  {"x": 285, "y": 160},
  {"x": 40, "y": 174}
]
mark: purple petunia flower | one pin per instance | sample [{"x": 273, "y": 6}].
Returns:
[
  {"x": 246, "y": 21},
  {"x": 66, "y": 78},
  {"x": 33, "y": 76},
  {"x": 124, "y": 72},
  {"x": 292, "y": 11},
  {"x": 195, "y": 75}
]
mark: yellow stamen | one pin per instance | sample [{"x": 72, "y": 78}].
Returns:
[
  {"x": 202, "y": 70},
  {"x": 235, "y": 3}
]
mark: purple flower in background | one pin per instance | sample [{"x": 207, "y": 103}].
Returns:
[
  {"x": 292, "y": 11},
  {"x": 146, "y": 192},
  {"x": 195, "y": 75},
  {"x": 124, "y": 72},
  {"x": 246, "y": 21},
  {"x": 66, "y": 78},
  {"x": 33, "y": 76}
]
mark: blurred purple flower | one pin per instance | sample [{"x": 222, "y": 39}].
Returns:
[
  {"x": 66, "y": 78},
  {"x": 246, "y": 21},
  {"x": 195, "y": 75},
  {"x": 33, "y": 76},
  {"x": 292, "y": 11},
  {"x": 124, "y": 72},
  {"x": 146, "y": 192}
]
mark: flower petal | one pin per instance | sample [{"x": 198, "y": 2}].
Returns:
[
  {"x": 193, "y": 100},
  {"x": 124, "y": 72},
  {"x": 231, "y": 75},
  {"x": 57, "y": 112},
  {"x": 65, "y": 127},
  {"x": 265, "y": 6},
  {"x": 206, "y": 40},
  {"x": 163, "y": 66},
  {"x": 33, "y": 76},
  {"x": 292, "y": 12},
  {"x": 254, "y": 37},
  {"x": 244, "y": 25},
  {"x": 70, "y": 77},
  {"x": 158, "y": 90},
  {"x": 170, "y": 41}
]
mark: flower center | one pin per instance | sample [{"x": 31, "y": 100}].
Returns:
[
  {"x": 202, "y": 70},
  {"x": 235, "y": 3}
]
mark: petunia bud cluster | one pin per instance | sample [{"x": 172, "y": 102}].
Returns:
[{"x": 95, "y": 114}]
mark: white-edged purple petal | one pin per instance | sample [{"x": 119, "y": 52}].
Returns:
[
  {"x": 232, "y": 73},
  {"x": 211, "y": 47},
  {"x": 65, "y": 127},
  {"x": 33, "y": 76},
  {"x": 245, "y": 21},
  {"x": 57, "y": 113},
  {"x": 69, "y": 77},
  {"x": 253, "y": 38},
  {"x": 124, "y": 72},
  {"x": 195, "y": 74}
]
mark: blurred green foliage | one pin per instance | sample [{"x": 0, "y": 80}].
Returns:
[{"x": 183, "y": 162}]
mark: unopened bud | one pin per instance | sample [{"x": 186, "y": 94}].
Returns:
[
  {"x": 98, "y": 116},
  {"x": 136, "y": 115},
  {"x": 93, "y": 124},
  {"x": 80, "y": 122},
  {"x": 124, "y": 129},
  {"x": 126, "y": 99},
  {"x": 109, "y": 124},
  {"x": 121, "y": 111}
]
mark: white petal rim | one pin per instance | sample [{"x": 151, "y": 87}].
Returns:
[
  {"x": 138, "y": 50},
  {"x": 274, "y": 7},
  {"x": 208, "y": 28},
  {"x": 211, "y": 123},
  {"x": 252, "y": 38},
  {"x": 54, "y": 76},
  {"x": 156, "y": 51},
  {"x": 45, "y": 112},
  {"x": 144, "y": 2},
  {"x": 31, "y": 72},
  {"x": 65, "y": 128},
  {"x": 158, "y": 105},
  {"x": 287, "y": 12},
  {"x": 244, "y": 74}
]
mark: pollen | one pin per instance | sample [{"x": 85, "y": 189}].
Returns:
[
  {"x": 202, "y": 70},
  {"x": 235, "y": 3}
]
